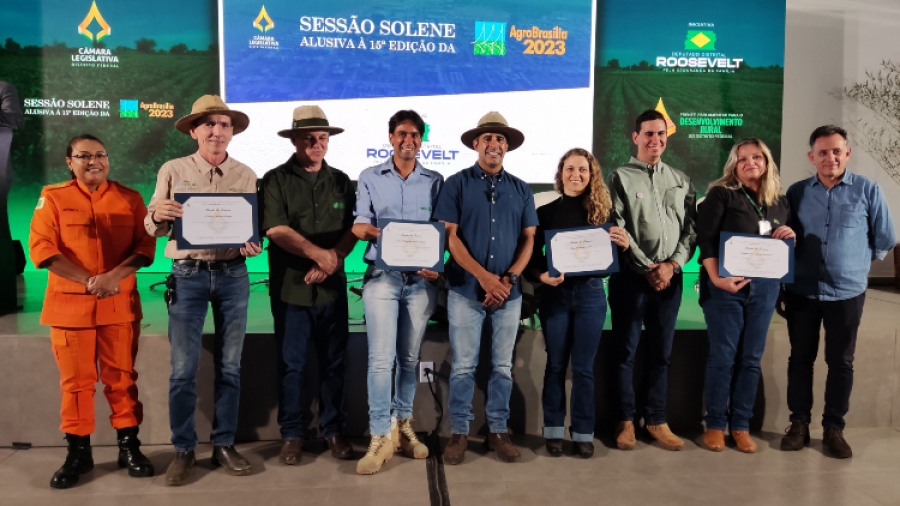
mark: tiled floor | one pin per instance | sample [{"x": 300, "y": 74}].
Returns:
[{"x": 647, "y": 475}]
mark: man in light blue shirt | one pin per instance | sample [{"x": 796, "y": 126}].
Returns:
[
  {"x": 397, "y": 303},
  {"x": 842, "y": 224}
]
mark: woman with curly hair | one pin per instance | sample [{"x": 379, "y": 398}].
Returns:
[{"x": 573, "y": 309}]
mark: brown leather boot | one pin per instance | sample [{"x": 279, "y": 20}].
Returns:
[
  {"x": 834, "y": 442},
  {"x": 743, "y": 440},
  {"x": 625, "y": 439},
  {"x": 290, "y": 452},
  {"x": 663, "y": 435},
  {"x": 714, "y": 440},
  {"x": 797, "y": 436},
  {"x": 455, "y": 451},
  {"x": 340, "y": 448},
  {"x": 501, "y": 445}
]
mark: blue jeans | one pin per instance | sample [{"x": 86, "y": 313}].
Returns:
[
  {"x": 633, "y": 302},
  {"x": 737, "y": 325},
  {"x": 398, "y": 305},
  {"x": 295, "y": 327},
  {"x": 466, "y": 319},
  {"x": 195, "y": 289},
  {"x": 572, "y": 319}
]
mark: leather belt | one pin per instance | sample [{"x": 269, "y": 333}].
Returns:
[{"x": 211, "y": 265}]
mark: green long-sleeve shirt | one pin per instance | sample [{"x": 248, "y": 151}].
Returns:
[{"x": 656, "y": 205}]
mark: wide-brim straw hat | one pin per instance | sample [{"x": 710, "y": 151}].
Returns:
[
  {"x": 310, "y": 118},
  {"x": 494, "y": 122},
  {"x": 212, "y": 104}
]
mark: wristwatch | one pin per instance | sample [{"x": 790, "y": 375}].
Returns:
[
  {"x": 513, "y": 278},
  {"x": 676, "y": 266}
]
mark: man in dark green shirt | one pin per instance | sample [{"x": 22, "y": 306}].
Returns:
[
  {"x": 307, "y": 214},
  {"x": 655, "y": 204}
]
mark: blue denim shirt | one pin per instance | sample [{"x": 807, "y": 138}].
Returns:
[
  {"x": 839, "y": 232},
  {"x": 491, "y": 213},
  {"x": 382, "y": 193}
]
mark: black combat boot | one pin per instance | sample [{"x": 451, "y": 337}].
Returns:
[
  {"x": 130, "y": 455},
  {"x": 79, "y": 460}
]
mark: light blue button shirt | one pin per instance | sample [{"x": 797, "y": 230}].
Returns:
[
  {"x": 382, "y": 193},
  {"x": 839, "y": 232}
]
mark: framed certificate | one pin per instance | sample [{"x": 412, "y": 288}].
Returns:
[
  {"x": 410, "y": 245},
  {"x": 581, "y": 251},
  {"x": 756, "y": 256},
  {"x": 216, "y": 220}
]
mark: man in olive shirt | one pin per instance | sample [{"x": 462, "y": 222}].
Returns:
[
  {"x": 307, "y": 214},
  {"x": 654, "y": 203}
]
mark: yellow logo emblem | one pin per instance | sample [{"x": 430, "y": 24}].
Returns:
[
  {"x": 263, "y": 16},
  {"x": 94, "y": 15},
  {"x": 670, "y": 125}
]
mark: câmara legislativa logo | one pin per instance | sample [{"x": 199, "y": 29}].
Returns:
[
  {"x": 95, "y": 56},
  {"x": 263, "y": 23}
]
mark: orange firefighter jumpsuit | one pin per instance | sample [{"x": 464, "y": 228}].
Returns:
[{"x": 96, "y": 231}]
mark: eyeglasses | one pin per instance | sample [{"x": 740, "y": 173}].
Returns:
[{"x": 100, "y": 157}]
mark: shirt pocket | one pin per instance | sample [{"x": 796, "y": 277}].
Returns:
[
  {"x": 122, "y": 231},
  {"x": 674, "y": 198},
  {"x": 851, "y": 215},
  {"x": 424, "y": 208},
  {"x": 75, "y": 230}
]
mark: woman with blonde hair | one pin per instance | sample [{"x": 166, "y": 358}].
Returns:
[
  {"x": 747, "y": 199},
  {"x": 572, "y": 309}
]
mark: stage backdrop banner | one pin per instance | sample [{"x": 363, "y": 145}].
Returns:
[
  {"x": 571, "y": 73},
  {"x": 717, "y": 76},
  {"x": 121, "y": 70},
  {"x": 451, "y": 61}
]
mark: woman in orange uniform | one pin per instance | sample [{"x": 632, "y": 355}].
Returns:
[{"x": 89, "y": 234}]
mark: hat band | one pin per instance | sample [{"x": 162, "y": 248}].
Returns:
[
  {"x": 311, "y": 122},
  {"x": 493, "y": 124}
]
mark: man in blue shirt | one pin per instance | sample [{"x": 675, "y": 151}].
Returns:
[
  {"x": 491, "y": 220},
  {"x": 398, "y": 303},
  {"x": 842, "y": 224}
]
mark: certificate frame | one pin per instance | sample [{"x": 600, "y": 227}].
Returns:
[
  {"x": 554, "y": 272},
  {"x": 437, "y": 267},
  {"x": 725, "y": 236},
  {"x": 178, "y": 228}
]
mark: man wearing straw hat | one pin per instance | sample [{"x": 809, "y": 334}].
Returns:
[
  {"x": 307, "y": 214},
  {"x": 491, "y": 220},
  {"x": 201, "y": 277}
]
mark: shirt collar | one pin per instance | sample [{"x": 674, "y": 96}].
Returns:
[
  {"x": 646, "y": 166},
  {"x": 297, "y": 169},
  {"x": 99, "y": 191},
  {"x": 388, "y": 167},
  {"x": 847, "y": 178},
  {"x": 478, "y": 172},
  {"x": 204, "y": 167}
]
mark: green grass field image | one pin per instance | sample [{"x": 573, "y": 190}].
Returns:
[
  {"x": 620, "y": 95},
  {"x": 490, "y": 38}
]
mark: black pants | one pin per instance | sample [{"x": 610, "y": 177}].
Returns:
[{"x": 841, "y": 321}]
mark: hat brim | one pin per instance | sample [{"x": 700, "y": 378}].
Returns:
[
  {"x": 287, "y": 134},
  {"x": 239, "y": 120},
  {"x": 514, "y": 138}
]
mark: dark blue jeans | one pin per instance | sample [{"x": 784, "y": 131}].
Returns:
[
  {"x": 737, "y": 325},
  {"x": 632, "y": 303},
  {"x": 295, "y": 327},
  {"x": 572, "y": 320},
  {"x": 805, "y": 319},
  {"x": 228, "y": 291}
]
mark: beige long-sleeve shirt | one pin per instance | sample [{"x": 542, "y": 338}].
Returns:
[{"x": 193, "y": 174}]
